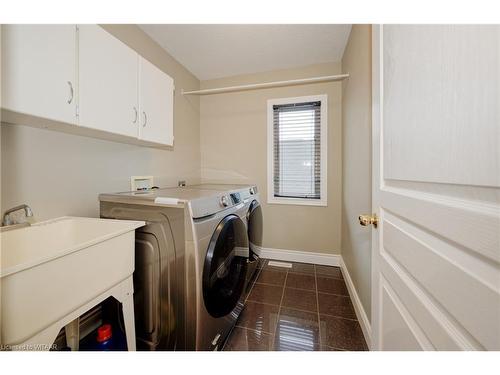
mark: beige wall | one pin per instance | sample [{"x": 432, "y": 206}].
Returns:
[
  {"x": 356, "y": 160},
  {"x": 234, "y": 149},
  {"x": 60, "y": 174}
]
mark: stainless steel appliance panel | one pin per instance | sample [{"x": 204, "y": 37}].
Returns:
[{"x": 159, "y": 274}]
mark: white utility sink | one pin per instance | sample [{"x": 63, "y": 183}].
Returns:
[{"x": 52, "y": 268}]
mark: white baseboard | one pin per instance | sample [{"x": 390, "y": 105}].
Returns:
[
  {"x": 363, "y": 320},
  {"x": 327, "y": 260},
  {"x": 299, "y": 256}
]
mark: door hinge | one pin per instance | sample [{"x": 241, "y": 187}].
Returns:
[{"x": 77, "y": 110}]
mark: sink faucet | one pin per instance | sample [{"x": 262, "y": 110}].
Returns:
[{"x": 28, "y": 212}]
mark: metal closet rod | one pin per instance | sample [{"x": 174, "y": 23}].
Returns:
[{"x": 268, "y": 85}]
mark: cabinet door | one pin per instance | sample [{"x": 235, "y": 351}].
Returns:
[
  {"x": 108, "y": 72},
  {"x": 157, "y": 103},
  {"x": 39, "y": 70}
]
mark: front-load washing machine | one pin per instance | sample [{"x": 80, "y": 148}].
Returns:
[
  {"x": 251, "y": 215},
  {"x": 191, "y": 300}
]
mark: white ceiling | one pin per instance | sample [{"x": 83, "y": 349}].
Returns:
[{"x": 215, "y": 51}]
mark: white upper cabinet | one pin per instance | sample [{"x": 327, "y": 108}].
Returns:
[
  {"x": 82, "y": 80},
  {"x": 156, "y": 104},
  {"x": 39, "y": 71},
  {"x": 108, "y": 82}
]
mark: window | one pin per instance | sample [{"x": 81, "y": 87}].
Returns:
[{"x": 297, "y": 131}]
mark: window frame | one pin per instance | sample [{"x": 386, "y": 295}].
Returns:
[{"x": 271, "y": 199}]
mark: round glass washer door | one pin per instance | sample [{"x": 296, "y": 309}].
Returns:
[
  {"x": 255, "y": 226},
  {"x": 224, "y": 271}
]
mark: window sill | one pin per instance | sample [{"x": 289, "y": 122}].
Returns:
[{"x": 298, "y": 202}]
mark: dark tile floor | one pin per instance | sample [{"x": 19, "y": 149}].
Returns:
[{"x": 305, "y": 307}]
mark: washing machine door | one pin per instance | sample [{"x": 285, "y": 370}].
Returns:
[
  {"x": 255, "y": 226},
  {"x": 224, "y": 271}
]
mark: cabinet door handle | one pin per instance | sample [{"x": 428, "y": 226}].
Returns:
[
  {"x": 71, "y": 93},
  {"x": 145, "y": 119},
  {"x": 135, "y": 116}
]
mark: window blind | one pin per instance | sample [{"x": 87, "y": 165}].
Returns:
[{"x": 297, "y": 150}]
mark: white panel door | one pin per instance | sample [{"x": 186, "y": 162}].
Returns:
[
  {"x": 108, "y": 81},
  {"x": 39, "y": 70},
  {"x": 436, "y": 188},
  {"x": 156, "y": 104}
]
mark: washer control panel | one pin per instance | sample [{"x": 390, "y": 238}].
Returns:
[
  {"x": 248, "y": 193},
  {"x": 220, "y": 201},
  {"x": 235, "y": 197}
]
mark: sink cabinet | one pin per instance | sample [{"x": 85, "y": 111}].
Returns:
[{"x": 52, "y": 272}]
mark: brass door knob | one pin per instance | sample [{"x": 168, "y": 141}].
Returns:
[{"x": 366, "y": 220}]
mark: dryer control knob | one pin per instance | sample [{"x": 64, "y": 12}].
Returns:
[
  {"x": 252, "y": 191},
  {"x": 223, "y": 201}
]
